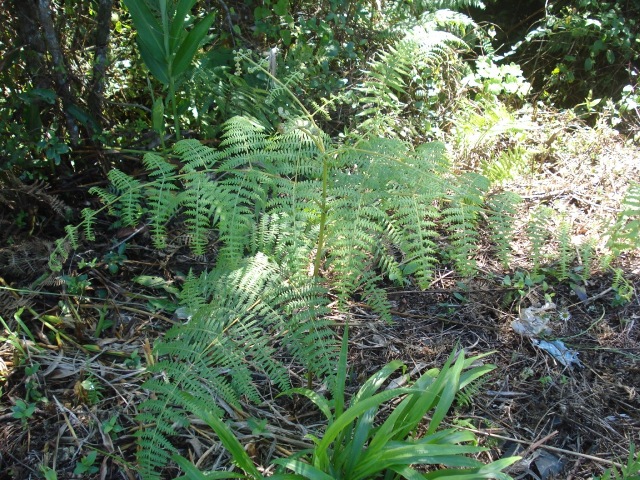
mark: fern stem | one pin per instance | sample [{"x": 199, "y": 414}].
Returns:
[{"x": 323, "y": 217}]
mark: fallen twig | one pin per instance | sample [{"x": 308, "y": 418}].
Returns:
[{"x": 538, "y": 444}]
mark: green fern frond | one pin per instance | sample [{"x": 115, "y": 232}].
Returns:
[
  {"x": 88, "y": 220},
  {"x": 60, "y": 254},
  {"x": 623, "y": 288},
  {"x": 129, "y": 196},
  {"x": 625, "y": 234},
  {"x": 288, "y": 240},
  {"x": 538, "y": 233},
  {"x": 566, "y": 253},
  {"x": 162, "y": 201},
  {"x": 108, "y": 198},
  {"x": 195, "y": 155},
  {"x": 463, "y": 27},
  {"x": 198, "y": 199},
  {"x": 501, "y": 215},
  {"x": 243, "y": 136},
  {"x": 456, "y": 4},
  {"x": 399, "y": 77},
  {"x": 416, "y": 219},
  {"x": 72, "y": 236},
  {"x": 157, "y": 166},
  {"x": 461, "y": 217},
  {"x": 586, "y": 253},
  {"x": 374, "y": 296},
  {"x": 236, "y": 319},
  {"x": 509, "y": 164}
]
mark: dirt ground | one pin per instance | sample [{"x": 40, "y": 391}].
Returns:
[{"x": 567, "y": 422}]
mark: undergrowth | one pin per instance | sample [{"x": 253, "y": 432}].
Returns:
[
  {"x": 296, "y": 216},
  {"x": 297, "y": 219}
]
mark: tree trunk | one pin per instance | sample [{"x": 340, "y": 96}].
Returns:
[
  {"x": 100, "y": 62},
  {"x": 60, "y": 75}
]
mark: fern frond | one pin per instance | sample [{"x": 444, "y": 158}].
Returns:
[
  {"x": 288, "y": 240},
  {"x": 237, "y": 317},
  {"x": 158, "y": 166},
  {"x": 197, "y": 199},
  {"x": 538, "y": 233},
  {"x": 502, "y": 209},
  {"x": 108, "y": 198},
  {"x": 623, "y": 288},
  {"x": 243, "y": 136},
  {"x": 162, "y": 204},
  {"x": 456, "y": 4},
  {"x": 238, "y": 203},
  {"x": 192, "y": 152},
  {"x": 60, "y": 254},
  {"x": 586, "y": 253},
  {"x": 88, "y": 220},
  {"x": 398, "y": 78},
  {"x": 625, "y": 234},
  {"x": 129, "y": 196},
  {"x": 416, "y": 219},
  {"x": 72, "y": 235},
  {"x": 565, "y": 250},
  {"x": 509, "y": 164},
  {"x": 461, "y": 217}
]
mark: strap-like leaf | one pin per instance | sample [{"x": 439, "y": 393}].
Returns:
[
  {"x": 353, "y": 412},
  {"x": 193, "y": 473},
  {"x": 320, "y": 401},
  {"x": 157, "y": 66},
  {"x": 178, "y": 22},
  {"x": 451, "y": 387},
  {"x": 190, "y": 44},
  {"x": 230, "y": 442},
  {"x": 376, "y": 380},
  {"x": 149, "y": 30},
  {"x": 304, "y": 469}
]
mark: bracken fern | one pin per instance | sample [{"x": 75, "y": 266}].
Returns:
[
  {"x": 296, "y": 216},
  {"x": 502, "y": 208},
  {"x": 625, "y": 234}
]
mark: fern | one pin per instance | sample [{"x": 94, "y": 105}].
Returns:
[
  {"x": 565, "y": 250},
  {"x": 501, "y": 216},
  {"x": 623, "y": 288},
  {"x": 456, "y": 4},
  {"x": 59, "y": 254},
  {"x": 72, "y": 236},
  {"x": 229, "y": 338},
  {"x": 129, "y": 197},
  {"x": 625, "y": 234},
  {"x": 398, "y": 82},
  {"x": 197, "y": 200},
  {"x": 461, "y": 217},
  {"x": 538, "y": 233},
  {"x": 509, "y": 164},
  {"x": 586, "y": 254},
  {"x": 296, "y": 216},
  {"x": 88, "y": 219}
]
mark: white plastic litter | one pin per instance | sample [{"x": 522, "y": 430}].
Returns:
[
  {"x": 558, "y": 350},
  {"x": 534, "y": 321}
]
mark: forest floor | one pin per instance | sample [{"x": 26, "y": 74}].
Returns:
[{"x": 567, "y": 422}]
